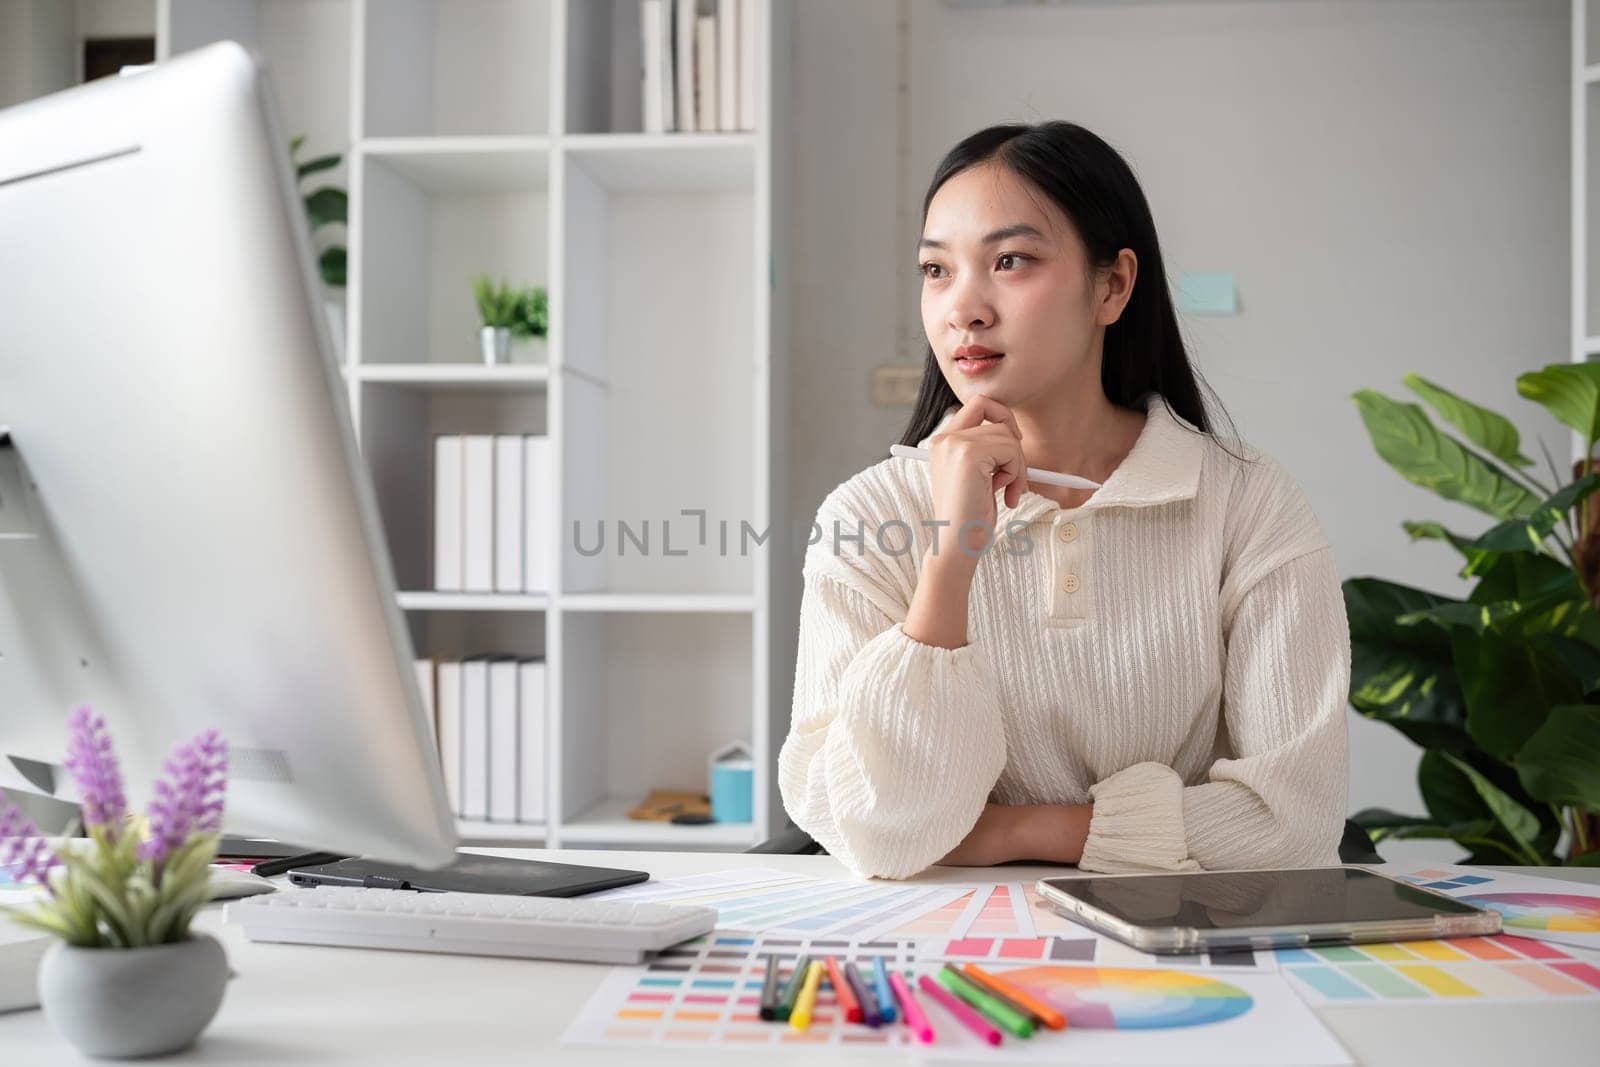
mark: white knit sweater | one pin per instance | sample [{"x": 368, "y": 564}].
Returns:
[{"x": 1175, "y": 650}]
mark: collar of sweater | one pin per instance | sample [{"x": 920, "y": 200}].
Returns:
[{"x": 1162, "y": 467}]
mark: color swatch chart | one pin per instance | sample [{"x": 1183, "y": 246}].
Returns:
[
  {"x": 768, "y": 900},
  {"x": 1461, "y": 968},
  {"x": 706, "y": 993},
  {"x": 1540, "y": 908}
]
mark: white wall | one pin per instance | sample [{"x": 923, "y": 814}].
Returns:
[{"x": 1386, "y": 178}]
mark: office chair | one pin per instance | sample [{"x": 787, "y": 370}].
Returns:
[{"x": 1354, "y": 847}]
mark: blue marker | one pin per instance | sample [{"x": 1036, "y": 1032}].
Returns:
[{"x": 885, "y": 996}]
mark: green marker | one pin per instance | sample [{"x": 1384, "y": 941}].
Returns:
[
  {"x": 1002, "y": 1015},
  {"x": 791, "y": 992}
]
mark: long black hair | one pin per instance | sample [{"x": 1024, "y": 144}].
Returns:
[{"x": 1097, "y": 191}]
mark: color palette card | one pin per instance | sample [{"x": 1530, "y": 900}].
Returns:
[
  {"x": 705, "y": 994},
  {"x": 1082, "y": 946},
  {"x": 775, "y": 901},
  {"x": 1545, "y": 909},
  {"x": 1500, "y": 968}
]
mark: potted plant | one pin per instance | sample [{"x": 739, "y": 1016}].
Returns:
[
  {"x": 326, "y": 205},
  {"x": 127, "y": 977},
  {"x": 1502, "y": 689},
  {"x": 508, "y": 314}
]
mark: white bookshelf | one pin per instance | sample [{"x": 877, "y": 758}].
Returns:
[{"x": 504, "y": 136}]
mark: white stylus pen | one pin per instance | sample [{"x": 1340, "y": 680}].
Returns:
[{"x": 1068, "y": 481}]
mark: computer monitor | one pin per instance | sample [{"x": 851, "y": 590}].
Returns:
[{"x": 188, "y": 537}]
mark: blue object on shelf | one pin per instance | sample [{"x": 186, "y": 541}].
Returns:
[
  {"x": 1208, "y": 294},
  {"x": 732, "y": 783}
]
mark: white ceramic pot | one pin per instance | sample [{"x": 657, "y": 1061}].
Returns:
[{"x": 119, "y": 1003}]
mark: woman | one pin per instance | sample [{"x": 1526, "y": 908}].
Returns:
[{"x": 1147, "y": 676}]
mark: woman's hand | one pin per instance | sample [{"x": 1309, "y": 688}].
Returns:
[
  {"x": 1049, "y": 833},
  {"x": 977, "y": 454}
]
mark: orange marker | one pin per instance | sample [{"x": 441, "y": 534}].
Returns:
[
  {"x": 1047, "y": 1015},
  {"x": 842, "y": 991}
]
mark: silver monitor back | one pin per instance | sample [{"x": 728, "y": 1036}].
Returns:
[{"x": 188, "y": 537}]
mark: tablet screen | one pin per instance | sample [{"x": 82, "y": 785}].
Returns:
[{"x": 1221, "y": 900}]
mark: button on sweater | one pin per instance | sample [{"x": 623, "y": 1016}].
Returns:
[{"x": 1174, "y": 650}]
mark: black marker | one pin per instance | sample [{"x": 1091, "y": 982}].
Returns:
[{"x": 769, "y": 990}]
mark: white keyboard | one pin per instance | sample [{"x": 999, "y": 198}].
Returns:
[{"x": 474, "y": 924}]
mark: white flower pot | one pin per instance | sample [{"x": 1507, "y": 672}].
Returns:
[{"x": 121, "y": 1003}]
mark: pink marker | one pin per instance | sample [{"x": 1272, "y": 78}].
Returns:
[
  {"x": 964, "y": 1015},
  {"x": 908, "y": 1009}
]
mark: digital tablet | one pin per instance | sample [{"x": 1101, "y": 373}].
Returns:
[
  {"x": 472, "y": 873},
  {"x": 1178, "y": 913}
]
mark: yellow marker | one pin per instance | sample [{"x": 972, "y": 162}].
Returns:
[{"x": 800, "y": 1018}]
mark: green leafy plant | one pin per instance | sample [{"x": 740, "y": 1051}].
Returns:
[
  {"x": 525, "y": 312},
  {"x": 325, "y": 206},
  {"x": 1501, "y": 689},
  {"x": 127, "y": 885}
]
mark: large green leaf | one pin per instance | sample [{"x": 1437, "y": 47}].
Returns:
[
  {"x": 1446, "y": 792},
  {"x": 1402, "y": 675},
  {"x": 1509, "y": 686},
  {"x": 1581, "y": 659},
  {"x": 1570, "y": 392},
  {"x": 1492, "y": 432},
  {"x": 1414, "y": 447},
  {"x": 1520, "y": 824},
  {"x": 1560, "y": 764},
  {"x": 1477, "y": 559},
  {"x": 1527, "y": 534}
]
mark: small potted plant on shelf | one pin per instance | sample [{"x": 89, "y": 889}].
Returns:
[
  {"x": 128, "y": 976},
  {"x": 509, "y": 314}
]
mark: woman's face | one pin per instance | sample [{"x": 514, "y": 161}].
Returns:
[{"x": 1004, "y": 269}]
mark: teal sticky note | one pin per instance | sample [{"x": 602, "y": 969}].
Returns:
[{"x": 1208, "y": 294}]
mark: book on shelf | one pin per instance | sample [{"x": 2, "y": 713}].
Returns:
[
  {"x": 698, "y": 65},
  {"x": 503, "y": 753},
  {"x": 449, "y": 705},
  {"x": 424, "y": 669},
  {"x": 447, "y": 513},
  {"x": 493, "y": 715},
  {"x": 475, "y": 738},
  {"x": 657, "y": 90},
  {"x": 705, "y": 73},
  {"x": 749, "y": 13},
  {"x": 493, "y": 501},
  {"x": 728, "y": 66},
  {"x": 533, "y": 721},
  {"x": 509, "y": 539},
  {"x": 683, "y": 33},
  {"x": 477, "y": 513}
]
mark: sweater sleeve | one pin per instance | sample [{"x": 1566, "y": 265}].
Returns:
[
  {"x": 1279, "y": 800},
  {"x": 894, "y": 744}
]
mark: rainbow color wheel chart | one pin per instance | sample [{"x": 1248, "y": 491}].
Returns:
[
  {"x": 1544, "y": 908},
  {"x": 1543, "y": 911},
  {"x": 1121, "y": 998}
]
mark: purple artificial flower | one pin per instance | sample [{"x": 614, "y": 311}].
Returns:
[
  {"x": 22, "y": 851},
  {"x": 189, "y": 799},
  {"x": 94, "y": 765}
]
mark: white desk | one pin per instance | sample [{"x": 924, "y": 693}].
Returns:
[{"x": 294, "y": 1005}]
